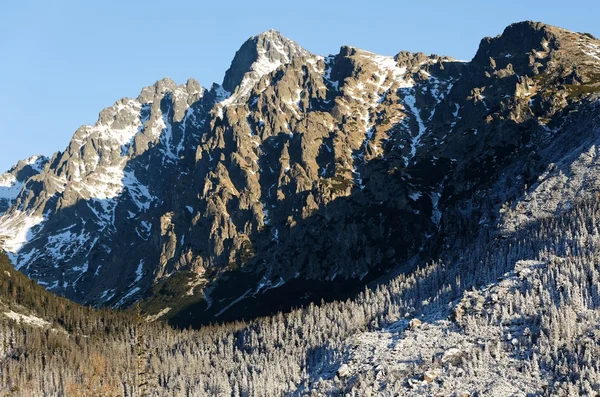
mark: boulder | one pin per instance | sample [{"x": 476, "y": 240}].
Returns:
[{"x": 414, "y": 323}]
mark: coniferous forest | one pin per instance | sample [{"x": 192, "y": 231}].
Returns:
[{"x": 529, "y": 300}]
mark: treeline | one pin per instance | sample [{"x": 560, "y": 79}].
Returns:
[
  {"x": 115, "y": 354},
  {"x": 17, "y": 289}
]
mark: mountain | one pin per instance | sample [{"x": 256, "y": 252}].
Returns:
[
  {"x": 441, "y": 214},
  {"x": 303, "y": 177}
]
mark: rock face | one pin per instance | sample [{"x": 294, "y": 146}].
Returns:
[
  {"x": 12, "y": 181},
  {"x": 300, "y": 177}
]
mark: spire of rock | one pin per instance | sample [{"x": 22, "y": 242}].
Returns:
[{"x": 260, "y": 55}]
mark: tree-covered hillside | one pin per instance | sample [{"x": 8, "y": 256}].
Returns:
[{"x": 520, "y": 307}]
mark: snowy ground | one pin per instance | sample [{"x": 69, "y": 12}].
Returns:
[
  {"x": 435, "y": 354},
  {"x": 24, "y": 319}
]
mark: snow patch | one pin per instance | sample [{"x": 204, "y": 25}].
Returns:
[
  {"x": 9, "y": 187},
  {"x": 411, "y": 102},
  {"x": 139, "y": 272},
  {"x": 17, "y": 230},
  {"x": 158, "y": 315},
  {"x": 234, "y": 302},
  {"x": 127, "y": 297},
  {"x": 24, "y": 319},
  {"x": 415, "y": 196}
]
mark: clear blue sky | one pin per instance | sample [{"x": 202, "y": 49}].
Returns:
[{"x": 63, "y": 61}]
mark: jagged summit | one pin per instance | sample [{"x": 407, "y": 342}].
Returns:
[
  {"x": 529, "y": 38},
  {"x": 259, "y": 55},
  {"x": 564, "y": 58},
  {"x": 517, "y": 40}
]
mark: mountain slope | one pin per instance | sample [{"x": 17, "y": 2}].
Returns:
[
  {"x": 12, "y": 181},
  {"x": 204, "y": 201},
  {"x": 51, "y": 346},
  {"x": 501, "y": 316}
]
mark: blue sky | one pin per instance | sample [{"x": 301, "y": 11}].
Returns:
[{"x": 63, "y": 61}]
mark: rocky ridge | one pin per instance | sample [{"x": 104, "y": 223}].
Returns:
[{"x": 368, "y": 160}]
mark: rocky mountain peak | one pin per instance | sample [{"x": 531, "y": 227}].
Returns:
[
  {"x": 160, "y": 88},
  {"x": 259, "y": 55},
  {"x": 517, "y": 42},
  {"x": 556, "y": 59},
  {"x": 525, "y": 44}
]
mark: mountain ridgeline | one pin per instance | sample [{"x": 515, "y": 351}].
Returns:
[
  {"x": 303, "y": 177},
  {"x": 352, "y": 225}
]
